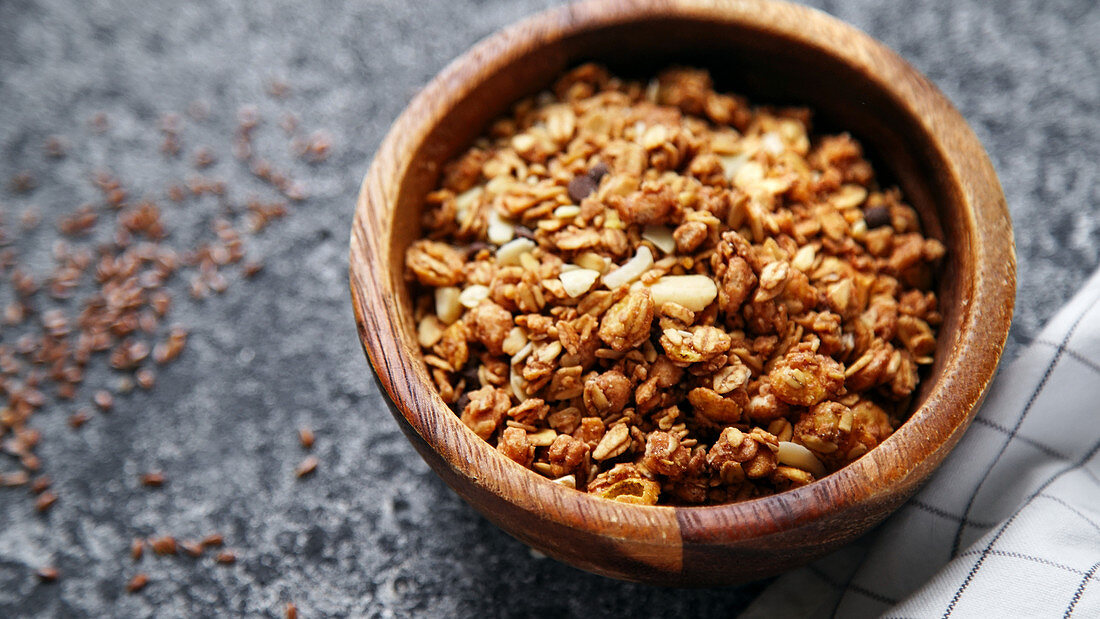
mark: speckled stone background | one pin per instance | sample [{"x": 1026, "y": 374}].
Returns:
[{"x": 373, "y": 532}]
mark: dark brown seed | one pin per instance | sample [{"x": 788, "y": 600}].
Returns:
[
  {"x": 137, "y": 583},
  {"x": 580, "y": 187},
  {"x": 193, "y": 549},
  {"x": 305, "y": 437},
  {"x": 45, "y": 501},
  {"x": 23, "y": 182},
  {"x": 306, "y": 467},
  {"x": 146, "y": 379},
  {"x": 30, "y": 462},
  {"x": 15, "y": 478},
  {"x": 598, "y": 171},
  {"x": 877, "y": 216},
  {"x": 251, "y": 268},
  {"x": 137, "y": 548},
  {"x": 226, "y": 557},
  {"x": 41, "y": 484},
  {"x": 164, "y": 545},
  {"x": 56, "y": 147},
  {"x": 47, "y": 574},
  {"x": 291, "y": 611},
  {"x": 104, "y": 400},
  {"x": 525, "y": 232},
  {"x": 154, "y": 479},
  {"x": 204, "y": 157},
  {"x": 78, "y": 419},
  {"x": 213, "y": 540}
]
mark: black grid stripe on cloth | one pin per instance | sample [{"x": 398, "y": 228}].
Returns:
[
  {"x": 1080, "y": 591},
  {"x": 985, "y": 553},
  {"x": 1073, "y": 353},
  {"x": 1019, "y": 422},
  {"x": 1071, "y": 508}
]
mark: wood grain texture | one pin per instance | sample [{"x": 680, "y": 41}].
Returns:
[{"x": 770, "y": 51}]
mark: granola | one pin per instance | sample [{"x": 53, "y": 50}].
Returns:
[{"x": 658, "y": 293}]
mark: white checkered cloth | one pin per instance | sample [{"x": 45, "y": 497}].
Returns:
[{"x": 1009, "y": 526}]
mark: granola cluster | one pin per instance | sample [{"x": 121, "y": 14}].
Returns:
[{"x": 657, "y": 293}]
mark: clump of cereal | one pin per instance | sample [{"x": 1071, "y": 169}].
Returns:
[{"x": 659, "y": 293}]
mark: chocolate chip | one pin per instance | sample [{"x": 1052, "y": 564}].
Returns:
[
  {"x": 473, "y": 248},
  {"x": 877, "y": 216},
  {"x": 460, "y": 404},
  {"x": 598, "y": 171},
  {"x": 580, "y": 187}
]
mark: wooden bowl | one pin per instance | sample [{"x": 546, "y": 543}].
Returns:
[{"x": 772, "y": 52}]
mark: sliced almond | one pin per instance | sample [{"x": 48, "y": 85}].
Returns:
[
  {"x": 694, "y": 292},
  {"x": 509, "y": 253},
  {"x": 473, "y": 295},
  {"x": 793, "y": 454},
  {"x": 499, "y": 231},
  {"x": 578, "y": 281},
  {"x": 429, "y": 331},
  {"x": 447, "y": 306},
  {"x": 630, "y": 270},
  {"x": 661, "y": 237}
]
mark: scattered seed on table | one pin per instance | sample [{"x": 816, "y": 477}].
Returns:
[
  {"x": 291, "y": 611},
  {"x": 165, "y": 545},
  {"x": 45, "y": 501},
  {"x": 305, "y": 437},
  {"x": 137, "y": 548},
  {"x": 104, "y": 400},
  {"x": 212, "y": 540},
  {"x": 192, "y": 548},
  {"x": 153, "y": 479},
  {"x": 306, "y": 467},
  {"x": 226, "y": 557},
  {"x": 78, "y": 419},
  {"x": 137, "y": 583},
  {"x": 146, "y": 378},
  {"x": 48, "y": 574},
  {"x": 41, "y": 484}
]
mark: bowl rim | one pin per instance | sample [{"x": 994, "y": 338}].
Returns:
[{"x": 981, "y": 332}]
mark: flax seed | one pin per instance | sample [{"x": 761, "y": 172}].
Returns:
[
  {"x": 305, "y": 437},
  {"x": 137, "y": 583},
  {"x": 306, "y": 467},
  {"x": 154, "y": 479}
]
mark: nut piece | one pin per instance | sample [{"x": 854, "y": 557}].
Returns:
[
  {"x": 578, "y": 281},
  {"x": 694, "y": 292},
  {"x": 630, "y": 270},
  {"x": 626, "y": 324},
  {"x": 798, "y": 456}
]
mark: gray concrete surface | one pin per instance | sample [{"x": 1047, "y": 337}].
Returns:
[{"x": 373, "y": 532}]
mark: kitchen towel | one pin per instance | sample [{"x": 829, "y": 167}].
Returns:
[{"x": 1009, "y": 526}]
